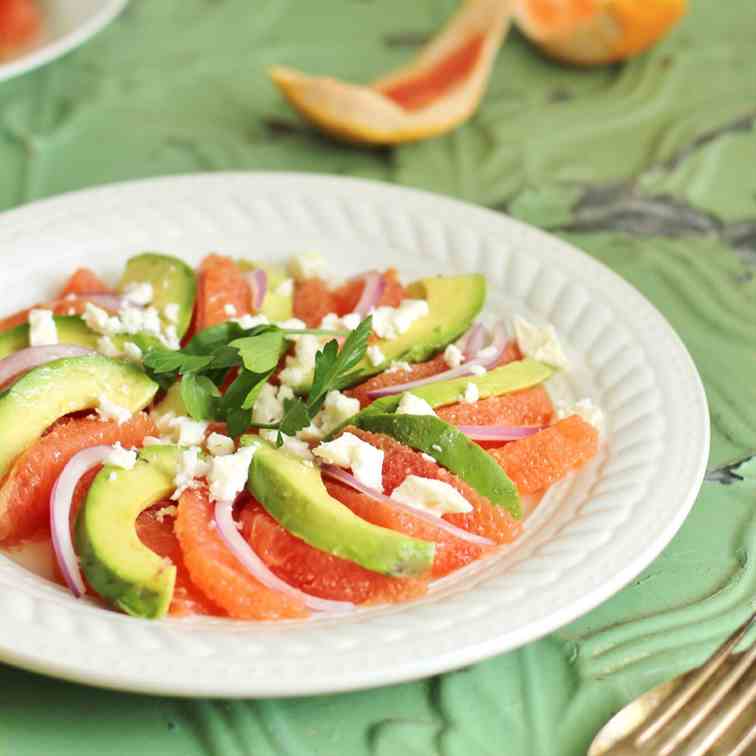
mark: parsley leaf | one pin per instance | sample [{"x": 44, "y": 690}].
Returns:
[
  {"x": 231, "y": 408},
  {"x": 260, "y": 353},
  {"x": 200, "y": 396},
  {"x": 296, "y": 416},
  {"x": 168, "y": 361}
]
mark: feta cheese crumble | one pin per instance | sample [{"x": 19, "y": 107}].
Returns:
[
  {"x": 132, "y": 351},
  {"x": 337, "y": 408},
  {"x": 398, "y": 366},
  {"x": 453, "y": 356},
  {"x": 106, "y": 346},
  {"x": 269, "y": 407},
  {"x": 332, "y": 322},
  {"x": 391, "y": 322},
  {"x": 300, "y": 365},
  {"x": 171, "y": 312},
  {"x": 229, "y": 310},
  {"x": 433, "y": 496},
  {"x": 285, "y": 288},
  {"x": 428, "y": 458},
  {"x": 307, "y": 265},
  {"x": 42, "y": 328},
  {"x": 471, "y": 394},
  {"x": 219, "y": 445},
  {"x": 139, "y": 294},
  {"x": 375, "y": 355},
  {"x": 540, "y": 343},
  {"x": 182, "y": 430},
  {"x": 477, "y": 370},
  {"x": 228, "y": 474},
  {"x": 410, "y": 404},
  {"x": 248, "y": 322},
  {"x": 349, "y": 451},
  {"x": 109, "y": 410},
  {"x": 584, "y": 408},
  {"x": 191, "y": 466},
  {"x": 120, "y": 457},
  {"x": 294, "y": 446}
]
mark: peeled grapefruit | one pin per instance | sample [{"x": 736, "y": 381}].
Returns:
[
  {"x": 531, "y": 406},
  {"x": 215, "y": 570},
  {"x": 539, "y": 461},
  {"x": 85, "y": 281},
  {"x": 221, "y": 286},
  {"x": 25, "y": 492}
]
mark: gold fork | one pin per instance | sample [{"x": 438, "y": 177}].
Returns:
[{"x": 711, "y": 710}]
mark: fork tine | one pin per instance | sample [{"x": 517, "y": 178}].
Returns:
[
  {"x": 717, "y": 726},
  {"x": 749, "y": 738},
  {"x": 680, "y": 732},
  {"x": 672, "y": 705}
]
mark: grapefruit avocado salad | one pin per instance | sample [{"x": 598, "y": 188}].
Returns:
[{"x": 260, "y": 441}]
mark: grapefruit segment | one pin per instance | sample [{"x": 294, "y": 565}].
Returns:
[
  {"x": 539, "y": 461},
  {"x": 531, "y": 406},
  {"x": 316, "y": 572},
  {"x": 588, "y": 32},
  {"x": 25, "y": 492},
  {"x": 399, "y": 461},
  {"x": 220, "y": 287},
  {"x": 346, "y": 296},
  {"x": 215, "y": 570},
  {"x": 437, "y": 91},
  {"x": 85, "y": 281},
  {"x": 313, "y": 300}
]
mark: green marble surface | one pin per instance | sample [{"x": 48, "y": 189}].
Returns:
[{"x": 648, "y": 166}]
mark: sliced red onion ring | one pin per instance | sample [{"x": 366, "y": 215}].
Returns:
[
  {"x": 60, "y": 513},
  {"x": 31, "y": 357},
  {"x": 375, "y": 285},
  {"x": 499, "y": 432},
  {"x": 472, "y": 341},
  {"x": 497, "y": 347},
  {"x": 344, "y": 477},
  {"x": 224, "y": 522},
  {"x": 257, "y": 281}
]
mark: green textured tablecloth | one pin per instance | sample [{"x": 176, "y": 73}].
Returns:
[{"x": 647, "y": 166}]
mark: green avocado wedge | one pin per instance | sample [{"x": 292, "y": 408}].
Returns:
[
  {"x": 120, "y": 568},
  {"x": 276, "y": 305},
  {"x": 173, "y": 282},
  {"x": 453, "y": 303},
  {"x": 514, "y": 376},
  {"x": 294, "y": 495},
  {"x": 71, "y": 330},
  {"x": 47, "y": 393},
  {"x": 452, "y": 449}
]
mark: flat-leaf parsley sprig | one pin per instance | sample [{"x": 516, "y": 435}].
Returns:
[{"x": 205, "y": 363}]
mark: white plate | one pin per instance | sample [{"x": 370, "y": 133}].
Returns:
[
  {"x": 67, "y": 24},
  {"x": 590, "y": 536}
]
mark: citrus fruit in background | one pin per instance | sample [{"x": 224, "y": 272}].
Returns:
[
  {"x": 25, "y": 492},
  {"x": 20, "y": 21},
  {"x": 215, "y": 570},
  {"x": 591, "y": 32},
  {"x": 440, "y": 89},
  {"x": 316, "y": 572}
]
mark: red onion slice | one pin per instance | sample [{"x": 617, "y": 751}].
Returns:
[
  {"x": 31, "y": 357},
  {"x": 111, "y": 302},
  {"x": 60, "y": 513},
  {"x": 375, "y": 285},
  {"x": 257, "y": 280},
  {"x": 224, "y": 522},
  {"x": 472, "y": 342},
  {"x": 499, "y": 432},
  {"x": 344, "y": 477}
]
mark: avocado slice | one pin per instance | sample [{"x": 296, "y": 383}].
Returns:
[
  {"x": 453, "y": 303},
  {"x": 71, "y": 330},
  {"x": 42, "y": 396},
  {"x": 452, "y": 449},
  {"x": 295, "y": 496},
  {"x": 172, "y": 280},
  {"x": 275, "y": 306},
  {"x": 116, "y": 563},
  {"x": 171, "y": 402},
  {"x": 514, "y": 376}
]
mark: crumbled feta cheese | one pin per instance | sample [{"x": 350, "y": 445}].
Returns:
[
  {"x": 392, "y": 322},
  {"x": 337, "y": 408},
  {"x": 437, "y": 448},
  {"x": 285, "y": 288},
  {"x": 268, "y": 408},
  {"x": 120, "y": 457},
  {"x": 228, "y": 474},
  {"x": 42, "y": 329},
  {"x": 295, "y": 446},
  {"x": 171, "y": 312},
  {"x": 170, "y": 511},
  {"x": 410, "y": 404},
  {"x": 219, "y": 445},
  {"x": 106, "y": 346},
  {"x": 398, "y": 366},
  {"x": 453, "y": 356},
  {"x": 307, "y": 265},
  {"x": 130, "y": 320},
  {"x": 247, "y": 322},
  {"x": 108, "y": 410},
  {"x": 540, "y": 343},
  {"x": 191, "y": 466},
  {"x": 332, "y": 322},
  {"x": 132, "y": 351},
  {"x": 293, "y": 324},
  {"x": 364, "y": 459},
  {"x": 351, "y": 320},
  {"x": 428, "y": 458},
  {"x": 300, "y": 365},
  {"x": 140, "y": 294},
  {"x": 433, "y": 496},
  {"x": 477, "y": 370},
  {"x": 375, "y": 355},
  {"x": 487, "y": 353},
  {"x": 99, "y": 321},
  {"x": 584, "y": 408},
  {"x": 471, "y": 394},
  {"x": 188, "y": 432},
  {"x": 229, "y": 310}
]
